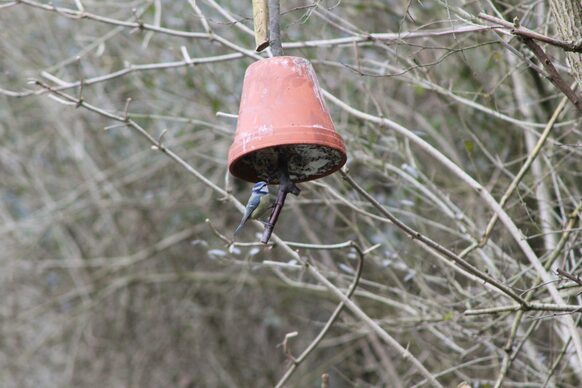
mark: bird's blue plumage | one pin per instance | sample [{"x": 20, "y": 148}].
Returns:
[{"x": 258, "y": 202}]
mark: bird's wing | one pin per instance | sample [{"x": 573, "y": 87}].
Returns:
[{"x": 253, "y": 203}]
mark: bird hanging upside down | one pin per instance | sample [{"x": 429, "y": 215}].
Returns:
[{"x": 259, "y": 202}]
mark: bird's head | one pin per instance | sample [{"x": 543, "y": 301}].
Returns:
[{"x": 261, "y": 188}]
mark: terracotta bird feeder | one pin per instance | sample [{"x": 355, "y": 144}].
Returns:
[
  {"x": 282, "y": 115},
  {"x": 284, "y": 133}
]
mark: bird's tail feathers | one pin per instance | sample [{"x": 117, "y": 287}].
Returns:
[
  {"x": 242, "y": 223},
  {"x": 239, "y": 228}
]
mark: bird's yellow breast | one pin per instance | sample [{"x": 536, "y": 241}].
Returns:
[{"x": 264, "y": 205}]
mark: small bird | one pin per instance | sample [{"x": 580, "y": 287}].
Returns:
[{"x": 259, "y": 202}]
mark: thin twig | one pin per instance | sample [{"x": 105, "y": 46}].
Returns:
[
  {"x": 574, "y": 46},
  {"x": 531, "y": 307},
  {"x": 202, "y": 17},
  {"x": 560, "y": 356},
  {"x": 295, "y": 362},
  {"x": 509, "y": 356},
  {"x": 488, "y": 199},
  {"x": 575, "y": 279},
  {"x": 553, "y": 74},
  {"x": 523, "y": 170},
  {"x": 415, "y": 235}
]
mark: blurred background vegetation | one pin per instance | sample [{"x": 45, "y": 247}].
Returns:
[{"x": 112, "y": 277}]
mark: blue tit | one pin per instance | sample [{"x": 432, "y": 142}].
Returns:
[{"x": 259, "y": 202}]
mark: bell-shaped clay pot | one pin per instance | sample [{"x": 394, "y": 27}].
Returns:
[{"x": 282, "y": 115}]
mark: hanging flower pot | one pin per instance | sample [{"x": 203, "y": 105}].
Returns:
[{"x": 283, "y": 116}]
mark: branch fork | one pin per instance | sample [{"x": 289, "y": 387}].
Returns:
[{"x": 286, "y": 186}]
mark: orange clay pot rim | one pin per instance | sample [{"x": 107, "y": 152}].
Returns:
[
  {"x": 311, "y": 178},
  {"x": 332, "y": 146}
]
